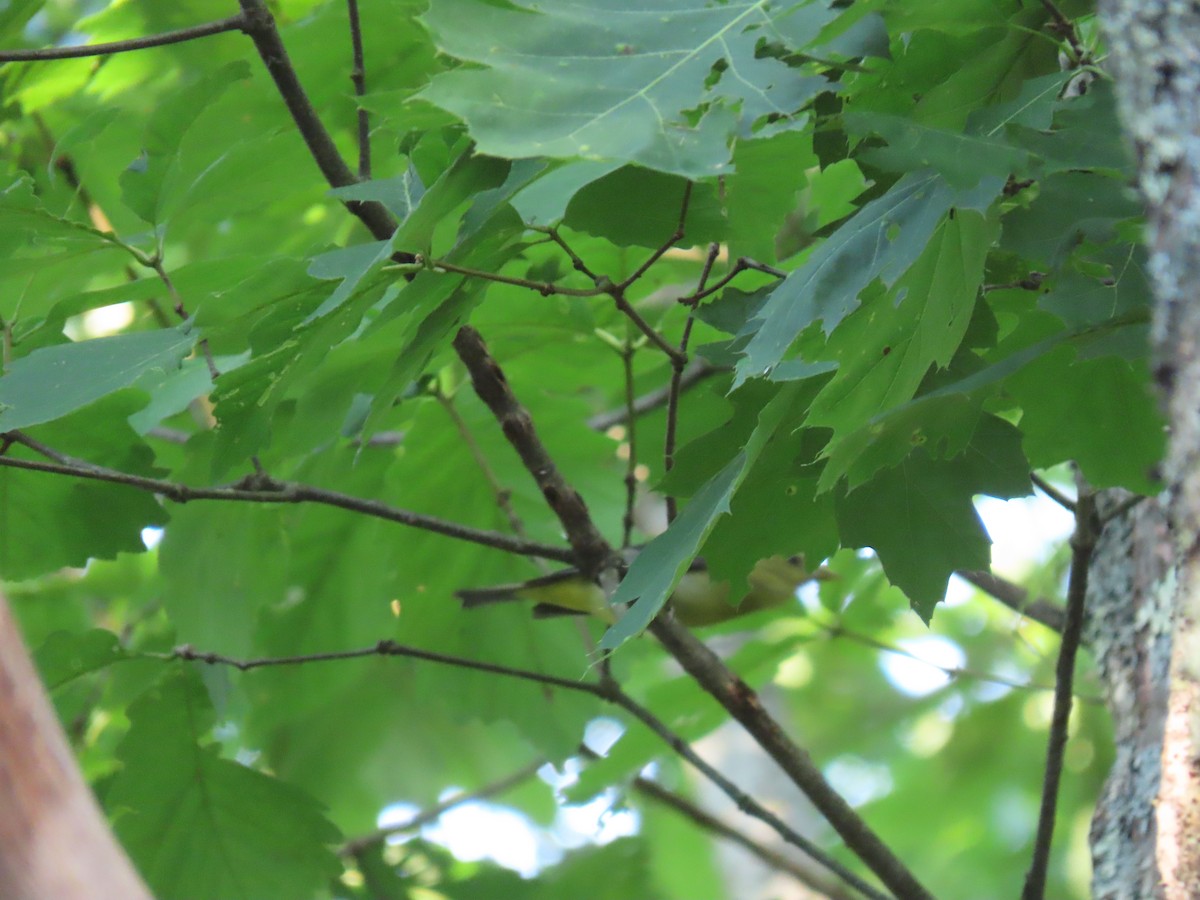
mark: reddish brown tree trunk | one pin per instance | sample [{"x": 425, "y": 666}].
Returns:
[{"x": 54, "y": 841}]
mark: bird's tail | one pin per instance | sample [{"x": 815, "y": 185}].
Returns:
[
  {"x": 474, "y": 597},
  {"x": 506, "y": 593}
]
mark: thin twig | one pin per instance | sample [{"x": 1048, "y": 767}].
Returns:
[
  {"x": 1052, "y": 492},
  {"x": 695, "y": 372},
  {"x": 356, "y": 846},
  {"x": 502, "y": 495},
  {"x": 745, "y": 802},
  {"x": 1123, "y": 507},
  {"x": 576, "y": 261},
  {"x": 670, "y": 242},
  {"x": 259, "y": 24},
  {"x": 358, "y": 75},
  {"x": 1066, "y": 28},
  {"x": 1083, "y": 543},
  {"x": 607, "y": 691},
  {"x": 256, "y": 489},
  {"x": 677, "y": 367},
  {"x": 545, "y": 288},
  {"x": 617, "y": 292},
  {"x": 1015, "y": 597},
  {"x": 232, "y": 23},
  {"x": 704, "y": 819},
  {"x": 742, "y": 702},
  {"x": 951, "y": 672},
  {"x": 630, "y": 442},
  {"x": 740, "y": 265}
]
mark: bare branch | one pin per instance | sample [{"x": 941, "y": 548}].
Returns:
[
  {"x": 233, "y": 23},
  {"x": 593, "y": 553},
  {"x": 631, "y": 442},
  {"x": 355, "y": 846},
  {"x": 695, "y": 372},
  {"x": 1015, "y": 597},
  {"x": 670, "y": 242},
  {"x": 606, "y": 690},
  {"x": 741, "y": 701},
  {"x": 259, "y": 24},
  {"x": 545, "y": 288},
  {"x": 706, "y": 820},
  {"x": 259, "y": 489},
  {"x": 677, "y": 366},
  {"x": 1052, "y": 492},
  {"x": 358, "y": 75},
  {"x": 1083, "y": 542}
]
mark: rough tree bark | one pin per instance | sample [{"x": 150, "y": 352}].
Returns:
[
  {"x": 1155, "y": 56},
  {"x": 54, "y": 841}
]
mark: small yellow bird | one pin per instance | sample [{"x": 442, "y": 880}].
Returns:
[{"x": 697, "y": 599}]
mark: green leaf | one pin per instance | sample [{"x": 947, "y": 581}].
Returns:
[
  {"x": 197, "y": 825},
  {"x": 962, "y": 159},
  {"x": 401, "y": 194},
  {"x": 881, "y": 241},
  {"x": 761, "y": 194},
  {"x": 215, "y": 607},
  {"x": 147, "y": 183},
  {"x": 638, "y": 206},
  {"x": 602, "y": 83},
  {"x": 64, "y": 656},
  {"x": 919, "y": 517},
  {"x": 76, "y": 519},
  {"x": 1101, "y": 413},
  {"x": 54, "y": 381},
  {"x": 660, "y": 565},
  {"x": 885, "y": 348}
]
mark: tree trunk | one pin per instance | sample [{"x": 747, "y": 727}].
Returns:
[
  {"x": 1155, "y": 55},
  {"x": 54, "y": 841}
]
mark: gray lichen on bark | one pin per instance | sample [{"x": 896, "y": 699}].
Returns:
[
  {"x": 1129, "y": 633},
  {"x": 1155, "y": 57}
]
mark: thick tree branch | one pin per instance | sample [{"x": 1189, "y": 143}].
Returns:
[
  {"x": 259, "y": 489},
  {"x": 741, "y": 702},
  {"x": 1083, "y": 542},
  {"x": 697, "y": 659},
  {"x": 233, "y": 23},
  {"x": 592, "y": 552}
]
